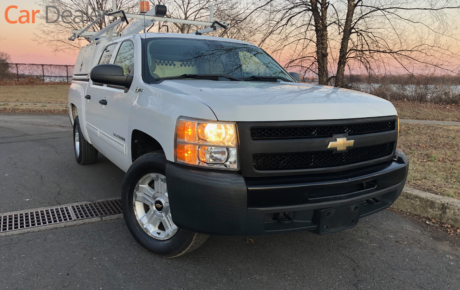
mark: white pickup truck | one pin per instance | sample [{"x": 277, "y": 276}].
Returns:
[{"x": 216, "y": 138}]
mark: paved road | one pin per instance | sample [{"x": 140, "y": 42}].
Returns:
[
  {"x": 37, "y": 165},
  {"x": 385, "y": 251}
]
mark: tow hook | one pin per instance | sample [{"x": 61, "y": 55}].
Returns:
[{"x": 283, "y": 218}]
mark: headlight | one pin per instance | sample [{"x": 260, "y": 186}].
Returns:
[{"x": 204, "y": 143}]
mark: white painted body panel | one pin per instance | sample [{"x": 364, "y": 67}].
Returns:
[
  {"x": 156, "y": 109},
  {"x": 265, "y": 101},
  {"x": 156, "y": 112}
]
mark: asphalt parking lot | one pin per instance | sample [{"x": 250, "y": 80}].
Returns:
[{"x": 37, "y": 169}]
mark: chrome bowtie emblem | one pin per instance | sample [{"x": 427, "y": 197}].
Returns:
[{"x": 341, "y": 144}]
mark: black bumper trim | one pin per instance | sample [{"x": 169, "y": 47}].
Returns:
[
  {"x": 205, "y": 201},
  {"x": 216, "y": 203},
  {"x": 303, "y": 215},
  {"x": 313, "y": 192}
]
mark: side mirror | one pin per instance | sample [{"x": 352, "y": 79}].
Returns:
[
  {"x": 111, "y": 74},
  {"x": 296, "y": 76}
]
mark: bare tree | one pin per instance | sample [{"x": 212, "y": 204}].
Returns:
[
  {"x": 5, "y": 59},
  {"x": 235, "y": 12},
  {"x": 329, "y": 36},
  {"x": 196, "y": 10}
]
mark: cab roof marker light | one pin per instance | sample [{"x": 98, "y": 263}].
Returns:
[{"x": 144, "y": 7}]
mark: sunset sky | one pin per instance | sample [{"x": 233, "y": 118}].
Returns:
[{"x": 16, "y": 39}]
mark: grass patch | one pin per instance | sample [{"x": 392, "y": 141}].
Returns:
[
  {"x": 35, "y": 94},
  {"x": 434, "y": 159},
  {"x": 34, "y": 108},
  {"x": 427, "y": 111}
]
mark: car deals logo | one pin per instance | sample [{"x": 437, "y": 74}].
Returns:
[
  {"x": 25, "y": 17},
  {"x": 53, "y": 15}
]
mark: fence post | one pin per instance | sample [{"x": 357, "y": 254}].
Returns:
[
  {"x": 67, "y": 72},
  {"x": 17, "y": 73},
  {"x": 43, "y": 71}
]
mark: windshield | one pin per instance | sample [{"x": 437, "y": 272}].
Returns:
[{"x": 175, "y": 57}]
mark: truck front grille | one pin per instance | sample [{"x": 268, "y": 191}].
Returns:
[
  {"x": 267, "y": 133},
  {"x": 280, "y": 161}
]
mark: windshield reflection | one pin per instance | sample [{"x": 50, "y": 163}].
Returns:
[{"x": 175, "y": 57}]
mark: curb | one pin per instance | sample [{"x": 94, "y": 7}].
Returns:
[
  {"x": 443, "y": 209},
  {"x": 429, "y": 122}
]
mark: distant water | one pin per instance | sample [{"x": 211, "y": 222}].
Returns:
[
  {"x": 410, "y": 89},
  {"x": 57, "y": 79}
]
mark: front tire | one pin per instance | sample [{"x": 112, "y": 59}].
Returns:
[
  {"x": 147, "y": 212},
  {"x": 85, "y": 153}
]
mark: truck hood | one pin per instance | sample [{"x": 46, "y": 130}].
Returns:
[{"x": 283, "y": 101}]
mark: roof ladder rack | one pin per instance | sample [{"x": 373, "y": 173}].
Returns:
[{"x": 142, "y": 21}]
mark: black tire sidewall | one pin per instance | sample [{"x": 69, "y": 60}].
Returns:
[
  {"x": 76, "y": 126},
  {"x": 150, "y": 163}
]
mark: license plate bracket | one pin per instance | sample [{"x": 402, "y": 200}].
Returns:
[{"x": 333, "y": 220}]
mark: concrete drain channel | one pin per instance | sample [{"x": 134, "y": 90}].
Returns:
[{"x": 57, "y": 217}]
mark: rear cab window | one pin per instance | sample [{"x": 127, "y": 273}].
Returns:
[{"x": 107, "y": 54}]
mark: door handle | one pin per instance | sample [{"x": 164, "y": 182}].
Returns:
[
  {"x": 88, "y": 97},
  {"x": 103, "y": 102}
]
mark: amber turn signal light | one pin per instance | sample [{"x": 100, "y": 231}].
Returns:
[
  {"x": 186, "y": 131},
  {"x": 187, "y": 153}
]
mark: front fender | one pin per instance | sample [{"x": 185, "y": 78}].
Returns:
[{"x": 156, "y": 110}]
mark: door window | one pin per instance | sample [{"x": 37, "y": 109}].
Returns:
[
  {"x": 107, "y": 54},
  {"x": 125, "y": 57}
]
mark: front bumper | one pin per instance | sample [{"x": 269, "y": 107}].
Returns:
[{"x": 225, "y": 203}]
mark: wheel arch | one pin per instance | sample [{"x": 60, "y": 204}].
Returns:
[
  {"x": 143, "y": 143},
  {"x": 73, "y": 112},
  {"x": 76, "y": 101}
]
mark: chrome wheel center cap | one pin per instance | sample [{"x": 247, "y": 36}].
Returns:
[{"x": 159, "y": 205}]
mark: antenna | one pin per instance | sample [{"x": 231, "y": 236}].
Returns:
[{"x": 211, "y": 13}]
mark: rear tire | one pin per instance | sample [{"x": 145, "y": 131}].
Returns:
[
  {"x": 146, "y": 210},
  {"x": 85, "y": 153}
]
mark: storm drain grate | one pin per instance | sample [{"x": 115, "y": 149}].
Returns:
[
  {"x": 97, "y": 209},
  {"x": 57, "y": 215}
]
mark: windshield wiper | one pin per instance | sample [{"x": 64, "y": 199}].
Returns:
[
  {"x": 214, "y": 77},
  {"x": 266, "y": 78}
]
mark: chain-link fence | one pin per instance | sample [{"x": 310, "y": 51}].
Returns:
[{"x": 44, "y": 73}]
